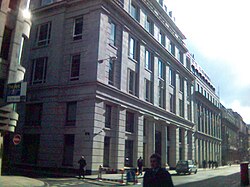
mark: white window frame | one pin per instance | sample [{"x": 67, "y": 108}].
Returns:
[
  {"x": 77, "y": 36},
  {"x": 34, "y": 64},
  {"x": 45, "y": 41}
]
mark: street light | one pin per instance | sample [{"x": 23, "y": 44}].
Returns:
[{"x": 113, "y": 58}]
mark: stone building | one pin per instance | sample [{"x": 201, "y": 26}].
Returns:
[
  {"x": 107, "y": 79},
  {"x": 230, "y": 137},
  {"x": 14, "y": 29},
  {"x": 207, "y": 117}
]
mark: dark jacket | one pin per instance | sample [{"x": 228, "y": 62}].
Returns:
[
  {"x": 82, "y": 163},
  {"x": 161, "y": 178}
]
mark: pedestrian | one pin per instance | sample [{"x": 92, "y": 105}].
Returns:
[
  {"x": 82, "y": 164},
  {"x": 139, "y": 164},
  {"x": 213, "y": 164},
  {"x": 204, "y": 163},
  {"x": 157, "y": 176},
  {"x": 209, "y": 164}
]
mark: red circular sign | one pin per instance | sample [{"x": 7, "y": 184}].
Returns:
[{"x": 17, "y": 139}]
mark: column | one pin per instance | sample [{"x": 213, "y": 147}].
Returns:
[
  {"x": 120, "y": 138},
  {"x": 164, "y": 140},
  {"x": 151, "y": 139},
  {"x": 174, "y": 145},
  {"x": 139, "y": 138},
  {"x": 185, "y": 144}
]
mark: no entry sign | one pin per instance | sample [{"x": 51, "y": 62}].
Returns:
[{"x": 17, "y": 139}]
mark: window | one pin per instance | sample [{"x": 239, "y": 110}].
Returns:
[
  {"x": 132, "y": 48},
  {"x": 13, "y": 4},
  {"x": 33, "y": 116},
  {"x": 39, "y": 69},
  {"x": 46, "y": 2},
  {"x": 171, "y": 77},
  {"x": 168, "y": 133},
  {"x": 106, "y": 151},
  {"x": 189, "y": 112},
  {"x": 172, "y": 103},
  {"x": 129, "y": 152},
  {"x": 75, "y": 67},
  {"x": 181, "y": 83},
  {"x": 68, "y": 151},
  {"x": 108, "y": 111},
  {"x": 180, "y": 135},
  {"x": 6, "y": 43},
  {"x": 78, "y": 26},
  {"x": 172, "y": 47},
  {"x": 161, "y": 69},
  {"x": 144, "y": 127},
  {"x": 43, "y": 34},
  {"x": 111, "y": 71},
  {"x": 180, "y": 56},
  {"x": 131, "y": 82},
  {"x": 162, "y": 38},
  {"x": 148, "y": 90},
  {"x": 30, "y": 148},
  {"x": 188, "y": 64},
  {"x": 181, "y": 108},
  {"x": 2, "y": 87},
  {"x": 148, "y": 25},
  {"x": 130, "y": 119},
  {"x": 71, "y": 114},
  {"x": 113, "y": 34},
  {"x": 148, "y": 59},
  {"x": 161, "y": 94},
  {"x": 134, "y": 11}
]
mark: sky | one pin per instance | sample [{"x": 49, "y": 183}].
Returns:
[{"x": 218, "y": 34}]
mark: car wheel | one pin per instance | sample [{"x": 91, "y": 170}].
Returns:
[
  {"x": 189, "y": 172},
  {"x": 195, "y": 172}
]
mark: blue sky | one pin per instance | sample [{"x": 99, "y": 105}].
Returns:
[{"x": 218, "y": 34}]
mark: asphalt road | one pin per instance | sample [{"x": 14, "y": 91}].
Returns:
[{"x": 220, "y": 177}]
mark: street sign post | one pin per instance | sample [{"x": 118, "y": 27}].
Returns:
[{"x": 17, "y": 139}]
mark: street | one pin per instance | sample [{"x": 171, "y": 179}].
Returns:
[{"x": 220, "y": 177}]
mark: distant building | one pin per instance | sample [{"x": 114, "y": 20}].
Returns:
[
  {"x": 230, "y": 137},
  {"x": 207, "y": 117},
  {"x": 107, "y": 79},
  {"x": 14, "y": 30}
]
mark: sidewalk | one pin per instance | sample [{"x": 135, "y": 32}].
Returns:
[{"x": 20, "y": 181}]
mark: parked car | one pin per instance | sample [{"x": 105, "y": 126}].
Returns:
[{"x": 186, "y": 166}]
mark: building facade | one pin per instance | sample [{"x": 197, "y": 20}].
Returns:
[
  {"x": 230, "y": 137},
  {"x": 207, "y": 117},
  {"x": 107, "y": 79},
  {"x": 14, "y": 29}
]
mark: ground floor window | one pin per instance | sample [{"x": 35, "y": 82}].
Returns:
[
  {"x": 106, "y": 151},
  {"x": 30, "y": 151},
  {"x": 68, "y": 151},
  {"x": 129, "y": 153}
]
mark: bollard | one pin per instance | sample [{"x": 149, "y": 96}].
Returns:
[
  {"x": 122, "y": 180},
  {"x": 244, "y": 173}
]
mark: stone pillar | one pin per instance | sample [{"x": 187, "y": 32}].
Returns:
[
  {"x": 139, "y": 138},
  {"x": 120, "y": 138},
  {"x": 151, "y": 139},
  {"x": 185, "y": 144},
  {"x": 174, "y": 145},
  {"x": 164, "y": 140}
]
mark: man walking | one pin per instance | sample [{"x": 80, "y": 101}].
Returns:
[
  {"x": 139, "y": 164},
  {"x": 157, "y": 176},
  {"x": 82, "y": 163}
]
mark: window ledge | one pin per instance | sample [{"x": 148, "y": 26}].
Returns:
[
  {"x": 130, "y": 133},
  {"x": 113, "y": 46},
  {"x": 150, "y": 71},
  {"x": 135, "y": 61}
]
